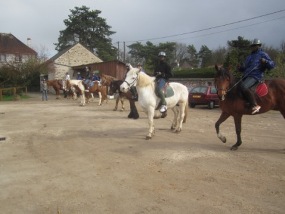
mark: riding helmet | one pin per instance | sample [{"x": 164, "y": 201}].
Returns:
[
  {"x": 162, "y": 54},
  {"x": 256, "y": 42}
]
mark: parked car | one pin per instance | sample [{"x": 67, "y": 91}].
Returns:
[{"x": 203, "y": 95}]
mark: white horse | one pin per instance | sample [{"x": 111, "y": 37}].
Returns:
[
  {"x": 78, "y": 85},
  {"x": 148, "y": 100}
]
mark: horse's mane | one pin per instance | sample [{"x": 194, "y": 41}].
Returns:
[
  {"x": 106, "y": 79},
  {"x": 144, "y": 79}
]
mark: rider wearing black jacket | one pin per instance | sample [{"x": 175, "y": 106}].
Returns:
[{"x": 162, "y": 72}]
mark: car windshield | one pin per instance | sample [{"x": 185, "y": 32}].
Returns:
[
  {"x": 213, "y": 90},
  {"x": 199, "y": 90}
]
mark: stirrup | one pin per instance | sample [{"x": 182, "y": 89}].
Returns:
[
  {"x": 163, "y": 108},
  {"x": 255, "y": 109}
]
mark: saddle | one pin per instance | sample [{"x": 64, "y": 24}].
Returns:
[
  {"x": 167, "y": 90},
  {"x": 260, "y": 89}
]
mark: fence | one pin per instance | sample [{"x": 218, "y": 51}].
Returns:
[{"x": 13, "y": 89}]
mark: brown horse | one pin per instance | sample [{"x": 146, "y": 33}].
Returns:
[
  {"x": 97, "y": 88},
  {"x": 233, "y": 104},
  {"x": 107, "y": 79},
  {"x": 57, "y": 86},
  {"x": 115, "y": 87}
]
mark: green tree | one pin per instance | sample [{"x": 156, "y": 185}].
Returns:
[
  {"x": 148, "y": 53},
  {"x": 23, "y": 74},
  {"x": 238, "y": 51},
  {"x": 205, "y": 55},
  {"x": 193, "y": 56},
  {"x": 88, "y": 28}
]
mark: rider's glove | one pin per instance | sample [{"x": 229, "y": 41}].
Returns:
[{"x": 263, "y": 61}]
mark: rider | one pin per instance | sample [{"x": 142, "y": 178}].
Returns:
[
  {"x": 79, "y": 77},
  {"x": 253, "y": 71},
  {"x": 95, "y": 77},
  {"x": 162, "y": 72}
]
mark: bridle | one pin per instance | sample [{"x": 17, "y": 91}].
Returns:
[{"x": 133, "y": 82}]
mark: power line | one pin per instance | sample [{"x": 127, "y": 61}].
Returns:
[
  {"x": 209, "y": 34},
  {"x": 209, "y": 28}
]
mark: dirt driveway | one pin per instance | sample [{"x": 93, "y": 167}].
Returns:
[{"x": 62, "y": 158}]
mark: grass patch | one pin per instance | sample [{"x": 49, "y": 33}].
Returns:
[{"x": 14, "y": 98}]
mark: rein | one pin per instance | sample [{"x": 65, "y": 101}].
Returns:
[{"x": 228, "y": 90}]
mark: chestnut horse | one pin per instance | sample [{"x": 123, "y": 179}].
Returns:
[
  {"x": 57, "y": 86},
  {"x": 106, "y": 79},
  {"x": 115, "y": 87},
  {"x": 233, "y": 104},
  {"x": 97, "y": 88}
]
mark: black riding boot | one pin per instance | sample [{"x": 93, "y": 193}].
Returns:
[{"x": 249, "y": 97}]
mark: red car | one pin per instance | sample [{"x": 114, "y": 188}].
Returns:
[{"x": 203, "y": 95}]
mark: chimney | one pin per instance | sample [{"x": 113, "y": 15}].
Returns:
[{"x": 29, "y": 42}]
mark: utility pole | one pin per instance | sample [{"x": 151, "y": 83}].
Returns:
[
  {"x": 124, "y": 52},
  {"x": 118, "y": 54}
]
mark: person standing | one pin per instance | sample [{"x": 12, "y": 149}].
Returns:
[
  {"x": 253, "y": 72},
  {"x": 44, "y": 89},
  {"x": 162, "y": 73}
]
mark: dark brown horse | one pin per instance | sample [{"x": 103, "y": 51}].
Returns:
[
  {"x": 115, "y": 87},
  {"x": 57, "y": 86},
  {"x": 233, "y": 104}
]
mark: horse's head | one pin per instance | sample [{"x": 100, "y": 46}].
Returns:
[
  {"x": 114, "y": 87},
  {"x": 131, "y": 79},
  {"x": 223, "y": 81}
]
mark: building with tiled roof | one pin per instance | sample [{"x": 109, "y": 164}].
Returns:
[
  {"x": 13, "y": 50},
  {"x": 64, "y": 61}
]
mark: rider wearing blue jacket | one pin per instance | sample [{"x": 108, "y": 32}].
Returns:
[{"x": 253, "y": 71}]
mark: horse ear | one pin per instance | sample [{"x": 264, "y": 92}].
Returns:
[
  {"x": 217, "y": 67},
  {"x": 131, "y": 67}
]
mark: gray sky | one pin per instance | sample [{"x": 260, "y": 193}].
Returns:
[{"x": 133, "y": 20}]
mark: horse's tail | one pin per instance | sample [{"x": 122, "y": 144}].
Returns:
[{"x": 186, "y": 112}]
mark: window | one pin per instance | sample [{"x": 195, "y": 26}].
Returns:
[
  {"x": 213, "y": 90},
  {"x": 18, "y": 58},
  {"x": 2, "y": 58}
]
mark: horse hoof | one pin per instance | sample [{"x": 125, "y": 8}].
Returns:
[
  {"x": 177, "y": 131},
  {"x": 148, "y": 137},
  {"x": 234, "y": 148},
  {"x": 222, "y": 138}
]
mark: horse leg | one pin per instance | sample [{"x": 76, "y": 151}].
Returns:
[
  {"x": 222, "y": 118},
  {"x": 82, "y": 98},
  {"x": 134, "y": 112},
  {"x": 150, "y": 114},
  {"x": 122, "y": 103},
  {"x": 174, "y": 122},
  {"x": 237, "y": 119},
  {"x": 57, "y": 94},
  {"x": 180, "y": 116},
  {"x": 117, "y": 102},
  {"x": 100, "y": 98}
]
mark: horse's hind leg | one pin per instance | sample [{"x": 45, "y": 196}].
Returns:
[
  {"x": 175, "y": 118},
  {"x": 237, "y": 120},
  {"x": 221, "y": 119},
  {"x": 117, "y": 102},
  {"x": 180, "y": 113}
]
